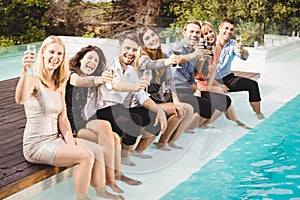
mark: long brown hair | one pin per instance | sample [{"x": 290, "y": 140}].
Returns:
[
  {"x": 74, "y": 62},
  {"x": 154, "y": 54}
]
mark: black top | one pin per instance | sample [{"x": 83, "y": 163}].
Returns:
[{"x": 76, "y": 98}]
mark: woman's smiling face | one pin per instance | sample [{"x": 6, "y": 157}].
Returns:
[
  {"x": 53, "y": 56},
  {"x": 151, "y": 40},
  {"x": 89, "y": 62}
]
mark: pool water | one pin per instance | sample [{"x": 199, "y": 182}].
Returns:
[
  {"x": 10, "y": 66},
  {"x": 264, "y": 164}
]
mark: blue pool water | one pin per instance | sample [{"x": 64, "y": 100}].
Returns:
[
  {"x": 10, "y": 66},
  {"x": 264, "y": 164}
]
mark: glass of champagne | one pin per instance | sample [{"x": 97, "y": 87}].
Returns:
[
  {"x": 32, "y": 49},
  {"x": 202, "y": 46},
  {"x": 148, "y": 74},
  {"x": 109, "y": 84},
  {"x": 238, "y": 38}
]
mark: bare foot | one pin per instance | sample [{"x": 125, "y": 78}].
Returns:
[
  {"x": 204, "y": 126},
  {"x": 192, "y": 131},
  {"x": 115, "y": 188},
  {"x": 82, "y": 197},
  {"x": 175, "y": 146},
  {"x": 101, "y": 192},
  {"x": 161, "y": 146},
  {"x": 141, "y": 155},
  {"x": 260, "y": 116},
  {"x": 241, "y": 124},
  {"x": 127, "y": 161},
  {"x": 121, "y": 177}
]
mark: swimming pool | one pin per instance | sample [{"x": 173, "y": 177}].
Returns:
[
  {"x": 10, "y": 67},
  {"x": 11, "y": 60},
  {"x": 264, "y": 164}
]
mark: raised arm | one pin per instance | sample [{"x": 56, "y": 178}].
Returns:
[
  {"x": 27, "y": 85},
  {"x": 123, "y": 86}
]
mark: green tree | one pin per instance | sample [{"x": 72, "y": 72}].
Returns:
[
  {"x": 253, "y": 17},
  {"x": 21, "y": 20}
]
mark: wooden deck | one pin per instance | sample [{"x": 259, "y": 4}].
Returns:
[
  {"x": 16, "y": 173},
  {"x": 252, "y": 75}
]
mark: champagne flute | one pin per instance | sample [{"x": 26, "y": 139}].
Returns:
[
  {"x": 202, "y": 46},
  {"x": 32, "y": 49},
  {"x": 238, "y": 38},
  {"x": 108, "y": 85},
  {"x": 148, "y": 74}
]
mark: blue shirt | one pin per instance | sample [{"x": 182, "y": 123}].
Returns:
[
  {"x": 184, "y": 76},
  {"x": 227, "y": 55}
]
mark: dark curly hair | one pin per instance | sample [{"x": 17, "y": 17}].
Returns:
[{"x": 74, "y": 62}]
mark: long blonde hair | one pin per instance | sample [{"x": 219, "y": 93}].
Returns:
[
  {"x": 205, "y": 26},
  {"x": 60, "y": 75}
]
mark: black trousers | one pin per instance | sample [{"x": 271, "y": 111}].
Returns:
[
  {"x": 128, "y": 122},
  {"x": 239, "y": 83},
  {"x": 205, "y": 105}
]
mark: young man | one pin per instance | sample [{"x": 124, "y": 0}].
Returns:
[
  {"x": 228, "y": 49},
  {"x": 129, "y": 122}
]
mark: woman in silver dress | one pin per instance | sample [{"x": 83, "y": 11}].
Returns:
[{"x": 48, "y": 137}]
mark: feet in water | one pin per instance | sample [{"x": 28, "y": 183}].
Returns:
[
  {"x": 127, "y": 161},
  {"x": 241, "y": 124},
  {"x": 102, "y": 192},
  {"x": 141, "y": 155},
  {"x": 82, "y": 197},
  {"x": 175, "y": 146},
  {"x": 161, "y": 146},
  {"x": 260, "y": 116},
  {"x": 121, "y": 177},
  {"x": 115, "y": 187},
  {"x": 204, "y": 126}
]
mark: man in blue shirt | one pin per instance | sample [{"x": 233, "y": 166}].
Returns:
[{"x": 228, "y": 49}]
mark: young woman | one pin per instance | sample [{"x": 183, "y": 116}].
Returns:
[
  {"x": 48, "y": 136},
  {"x": 179, "y": 114},
  {"x": 86, "y": 66}
]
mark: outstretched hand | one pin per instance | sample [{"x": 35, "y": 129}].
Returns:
[
  {"x": 144, "y": 82},
  {"x": 107, "y": 76},
  {"x": 161, "y": 118}
]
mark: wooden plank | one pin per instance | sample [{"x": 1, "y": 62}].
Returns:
[
  {"x": 29, "y": 180},
  {"x": 252, "y": 75},
  {"x": 16, "y": 173}
]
